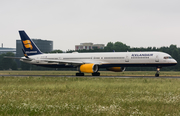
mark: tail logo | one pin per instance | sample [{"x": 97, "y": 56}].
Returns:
[{"x": 27, "y": 44}]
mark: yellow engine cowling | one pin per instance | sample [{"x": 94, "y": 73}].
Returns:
[
  {"x": 116, "y": 69},
  {"x": 89, "y": 68}
]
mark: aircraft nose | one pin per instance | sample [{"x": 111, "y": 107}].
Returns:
[{"x": 174, "y": 61}]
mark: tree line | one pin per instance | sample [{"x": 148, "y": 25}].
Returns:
[{"x": 173, "y": 50}]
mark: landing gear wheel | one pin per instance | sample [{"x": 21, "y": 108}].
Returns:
[
  {"x": 156, "y": 75},
  {"x": 96, "y": 74},
  {"x": 79, "y": 74}
]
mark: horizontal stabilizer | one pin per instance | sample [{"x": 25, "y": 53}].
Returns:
[
  {"x": 29, "y": 59},
  {"x": 12, "y": 57}
]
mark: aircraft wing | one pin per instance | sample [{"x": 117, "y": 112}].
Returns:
[
  {"x": 63, "y": 61},
  {"x": 71, "y": 62}
]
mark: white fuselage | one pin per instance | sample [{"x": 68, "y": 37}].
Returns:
[{"x": 104, "y": 59}]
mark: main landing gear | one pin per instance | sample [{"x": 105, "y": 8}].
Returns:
[
  {"x": 157, "y": 73},
  {"x": 79, "y": 74},
  {"x": 95, "y": 70},
  {"x": 96, "y": 74},
  {"x": 93, "y": 74}
]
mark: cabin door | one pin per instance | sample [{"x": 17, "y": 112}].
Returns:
[
  {"x": 157, "y": 59},
  {"x": 37, "y": 60},
  {"x": 127, "y": 58}
]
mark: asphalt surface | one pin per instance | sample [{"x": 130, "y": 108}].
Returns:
[{"x": 88, "y": 76}]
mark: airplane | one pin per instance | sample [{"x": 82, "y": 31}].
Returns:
[{"x": 92, "y": 62}]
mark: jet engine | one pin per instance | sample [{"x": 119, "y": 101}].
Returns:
[
  {"x": 88, "y": 68},
  {"x": 116, "y": 69}
]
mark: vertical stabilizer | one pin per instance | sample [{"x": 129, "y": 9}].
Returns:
[{"x": 29, "y": 46}]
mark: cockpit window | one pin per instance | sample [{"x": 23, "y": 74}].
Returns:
[{"x": 167, "y": 57}]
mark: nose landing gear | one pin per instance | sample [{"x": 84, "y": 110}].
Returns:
[{"x": 157, "y": 73}]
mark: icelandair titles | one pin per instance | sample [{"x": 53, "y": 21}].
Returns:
[
  {"x": 142, "y": 54},
  {"x": 31, "y": 51}
]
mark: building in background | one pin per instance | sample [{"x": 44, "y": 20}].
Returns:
[
  {"x": 88, "y": 46},
  {"x": 6, "y": 50}
]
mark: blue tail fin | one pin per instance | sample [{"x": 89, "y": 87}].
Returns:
[{"x": 29, "y": 46}]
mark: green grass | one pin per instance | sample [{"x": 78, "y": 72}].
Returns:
[
  {"x": 103, "y": 73},
  {"x": 89, "y": 96}
]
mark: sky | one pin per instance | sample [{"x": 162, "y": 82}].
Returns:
[{"x": 136, "y": 23}]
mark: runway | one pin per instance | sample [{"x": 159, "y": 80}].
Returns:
[{"x": 89, "y": 76}]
